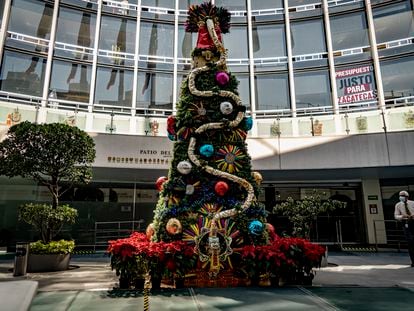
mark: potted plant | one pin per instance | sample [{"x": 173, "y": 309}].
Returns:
[
  {"x": 49, "y": 154},
  {"x": 301, "y": 213}
]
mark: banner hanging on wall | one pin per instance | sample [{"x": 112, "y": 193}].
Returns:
[{"x": 355, "y": 85}]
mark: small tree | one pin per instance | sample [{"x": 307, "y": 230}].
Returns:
[
  {"x": 49, "y": 154},
  {"x": 301, "y": 213}
]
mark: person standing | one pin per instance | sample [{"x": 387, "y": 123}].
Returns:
[{"x": 404, "y": 211}]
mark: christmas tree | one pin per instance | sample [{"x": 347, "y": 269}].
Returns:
[{"x": 209, "y": 198}]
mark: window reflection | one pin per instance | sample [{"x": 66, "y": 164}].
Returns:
[
  {"x": 117, "y": 35},
  {"x": 293, "y": 3},
  {"x": 159, "y": 3},
  {"x": 155, "y": 90},
  {"x": 269, "y": 40},
  {"x": 272, "y": 91},
  {"x": 71, "y": 81},
  {"x": 312, "y": 89},
  {"x": 184, "y": 4},
  {"x": 236, "y": 42},
  {"x": 81, "y": 3},
  {"x": 244, "y": 88},
  {"x": 120, "y": 7},
  {"x": 186, "y": 42},
  {"x": 393, "y": 22},
  {"x": 156, "y": 39},
  {"x": 308, "y": 37},
  {"x": 114, "y": 87},
  {"x": 18, "y": 75},
  {"x": 232, "y": 5},
  {"x": 398, "y": 77},
  {"x": 349, "y": 31},
  {"x": 266, "y": 4},
  {"x": 77, "y": 28}
]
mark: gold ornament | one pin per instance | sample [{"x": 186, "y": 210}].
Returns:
[
  {"x": 150, "y": 231},
  {"x": 257, "y": 177},
  {"x": 174, "y": 226}
]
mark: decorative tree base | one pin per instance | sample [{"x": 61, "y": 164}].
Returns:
[{"x": 201, "y": 278}]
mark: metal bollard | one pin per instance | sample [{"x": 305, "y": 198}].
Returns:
[{"x": 20, "y": 260}]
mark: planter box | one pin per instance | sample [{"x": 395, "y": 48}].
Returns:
[{"x": 48, "y": 262}]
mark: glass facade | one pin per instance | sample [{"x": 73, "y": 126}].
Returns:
[{"x": 134, "y": 55}]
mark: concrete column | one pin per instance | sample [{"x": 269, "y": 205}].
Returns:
[
  {"x": 290, "y": 61},
  {"x": 374, "y": 212},
  {"x": 4, "y": 26}
]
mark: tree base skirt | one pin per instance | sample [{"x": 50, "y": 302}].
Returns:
[{"x": 47, "y": 262}]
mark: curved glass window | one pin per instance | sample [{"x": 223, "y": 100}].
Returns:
[
  {"x": 22, "y": 73},
  {"x": 349, "y": 31},
  {"x": 308, "y": 37},
  {"x": 312, "y": 89},
  {"x": 114, "y": 87},
  {"x": 120, "y": 7},
  {"x": 272, "y": 91},
  {"x": 159, "y": 3},
  {"x": 398, "y": 77},
  {"x": 117, "y": 35},
  {"x": 266, "y": 4},
  {"x": 155, "y": 90},
  {"x": 269, "y": 40},
  {"x": 393, "y": 22},
  {"x": 156, "y": 39},
  {"x": 37, "y": 17},
  {"x": 76, "y": 28},
  {"x": 232, "y": 5},
  {"x": 236, "y": 42},
  {"x": 81, "y": 3},
  {"x": 186, "y": 42},
  {"x": 293, "y": 3},
  {"x": 244, "y": 88},
  {"x": 71, "y": 81},
  {"x": 184, "y": 4}
]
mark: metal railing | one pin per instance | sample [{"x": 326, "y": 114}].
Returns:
[
  {"x": 112, "y": 230},
  {"x": 392, "y": 230}
]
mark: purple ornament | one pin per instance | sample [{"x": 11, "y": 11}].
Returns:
[{"x": 222, "y": 78}]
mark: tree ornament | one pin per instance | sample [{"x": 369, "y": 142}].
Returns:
[
  {"x": 189, "y": 189},
  {"x": 171, "y": 122},
  {"x": 226, "y": 108},
  {"x": 257, "y": 177},
  {"x": 160, "y": 181},
  {"x": 149, "y": 232},
  {"x": 173, "y": 226},
  {"x": 207, "y": 150},
  {"x": 172, "y": 137},
  {"x": 222, "y": 78},
  {"x": 221, "y": 188},
  {"x": 184, "y": 167},
  {"x": 247, "y": 123},
  {"x": 256, "y": 227}
]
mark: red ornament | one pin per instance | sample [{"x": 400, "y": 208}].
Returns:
[
  {"x": 222, "y": 78},
  {"x": 221, "y": 188},
  {"x": 160, "y": 181},
  {"x": 204, "y": 40}
]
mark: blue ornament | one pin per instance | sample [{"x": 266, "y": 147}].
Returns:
[
  {"x": 248, "y": 123},
  {"x": 256, "y": 227},
  {"x": 207, "y": 150},
  {"x": 171, "y": 137}
]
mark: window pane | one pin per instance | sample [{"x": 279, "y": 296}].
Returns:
[
  {"x": 155, "y": 90},
  {"x": 269, "y": 40},
  {"x": 398, "y": 77},
  {"x": 75, "y": 27},
  {"x": 393, "y": 22},
  {"x": 186, "y": 42},
  {"x": 37, "y": 17},
  {"x": 71, "y": 81},
  {"x": 156, "y": 39},
  {"x": 349, "y": 31},
  {"x": 21, "y": 73},
  {"x": 117, "y": 34},
  {"x": 308, "y": 37},
  {"x": 267, "y": 86},
  {"x": 121, "y": 9},
  {"x": 236, "y": 42},
  {"x": 293, "y": 3},
  {"x": 232, "y": 5},
  {"x": 184, "y": 4},
  {"x": 81, "y": 3},
  {"x": 266, "y": 4},
  {"x": 312, "y": 89},
  {"x": 355, "y": 84},
  {"x": 114, "y": 87},
  {"x": 244, "y": 89},
  {"x": 159, "y": 3}
]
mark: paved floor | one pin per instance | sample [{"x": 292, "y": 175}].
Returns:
[{"x": 357, "y": 281}]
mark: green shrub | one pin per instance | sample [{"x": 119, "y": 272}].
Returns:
[{"x": 53, "y": 247}]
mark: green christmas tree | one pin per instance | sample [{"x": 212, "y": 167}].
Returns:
[{"x": 210, "y": 195}]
